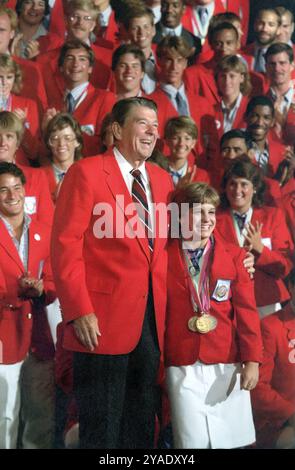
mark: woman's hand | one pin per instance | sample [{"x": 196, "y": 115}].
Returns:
[
  {"x": 249, "y": 375},
  {"x": 253, "y": 236}
]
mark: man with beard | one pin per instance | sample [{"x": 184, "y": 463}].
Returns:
[{"x": 266, "y": 28}]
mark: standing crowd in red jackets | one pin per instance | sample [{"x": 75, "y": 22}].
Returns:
[{"x": 222, "y": 114}]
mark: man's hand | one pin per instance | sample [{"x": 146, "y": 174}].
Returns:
[
  {"x": 87, "y": 331},
  {"x": 249, "y": 375},
  {"x": 32, "y": 49}
]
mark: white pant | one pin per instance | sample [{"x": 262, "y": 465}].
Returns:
[
  {"x": 9, "y": 404},
  {"x": 208, "y": 408}
]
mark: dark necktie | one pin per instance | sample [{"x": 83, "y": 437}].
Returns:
[
  {"x": 70, "y": 103},
  {"x": 60, "y": 176},
  {"x": 140, "y": 199},
  {"x": 195, "y": 256},
  {"x": 241, "y": 219},
  {"x": 181, "y": 105}
]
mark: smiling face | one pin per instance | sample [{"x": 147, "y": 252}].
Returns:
[
  {"x": 6, "y": 33},
  {"x": 128, "y": 74},
  {"x": 279, "y": 69},
  {"x": 32, "y": 12},
  {"x": 239, "y": 192},
  {"x": 8, "y": 146},
  {"x": 180, "y": 145},
  {"x": 141, "y": 32},
  {"x": 202, "y": 222},
  {"x": 233, "y": 148},
  {"x": 259, "y": 121},
  {"x": 172, "y": 11},
  {"x": 12, "y": 195},
  {"x": 137, "y": 137},
  {"x": 266, "y": 27},
  {"x": 76, "y": 67},
  {"x": 80, "y": 23},
  {"x": 63, "y": 144},
  {"x": 6, "y": 82},
  {"x": 286, "y": 29}
]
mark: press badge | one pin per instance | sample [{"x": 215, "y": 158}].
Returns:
[
  {"x": 88, "y": 129},
  {"x": 266, "y": 242},
  {"x": 30, "y": 205},
  {"x": 221, "y": 291}
]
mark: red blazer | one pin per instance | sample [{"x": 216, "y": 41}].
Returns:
[
  {"x": 237, "y": 335},
  {"x": 48, "y": 64},
  {"x": 276, "y": 154},
  {"x": 273, "y": 399},
  {"x": 187, "y": 20},
  {"x": 238, "y": 123},
  {"x": 33, "y": 84},
  {"x": 52, "y": 184},
  {"x": 289, "y": 206},
  {"x": 38, "y": 200},
  {"x": 242, "y": 9},
  {"x": 89, "y": 114},
  {"x": 273, "y": 265},
  {"x": 201, "y": 113},
  {"x": 16, "y": 314},
  {"x": 93, "y": 275},
  {"x": 31, "y": 140}
]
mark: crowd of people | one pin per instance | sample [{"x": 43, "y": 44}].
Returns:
[{"x": 147, "y": 224}]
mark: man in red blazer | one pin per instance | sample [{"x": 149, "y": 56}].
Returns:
[
  {"x": 112, "y": 283},
  {"x": 274, "y": 397},
  {"x": 26, "y": 281},
  {"x": 260, "y": 117},
  {"x": 88, "y": 104}
]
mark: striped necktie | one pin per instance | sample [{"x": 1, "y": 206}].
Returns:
[
  {"x": 70, "y": 103},
  {"x": 140, "y": 199},
  {"x": 241, "y": 219}
]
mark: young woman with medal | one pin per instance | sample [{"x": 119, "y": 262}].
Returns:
[{"x": 213, "y": 343}]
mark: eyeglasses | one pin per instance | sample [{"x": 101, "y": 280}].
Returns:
[
  {"x": 55, "y": 139},
  {"x": 86, "y": 18}
]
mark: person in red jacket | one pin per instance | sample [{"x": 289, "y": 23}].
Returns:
[
  {"x": 245, "y": 221},
  {"x": 28, "y": 285},
  {"x": 38, "y": 202},
  {"x": 181, "y": 135},
  {"x": 212, "y": 342},
  {"x": 274, "y": 397}
]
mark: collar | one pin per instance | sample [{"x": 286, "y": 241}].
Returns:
[
  {"x": 77, "y": 91},
  {"x": 236, "y": 105},
  {"x": 172, "y": 31},
  {"x": 27, "y": 221},
  {"x": 182, "y": 171},
  {"x": 288, "y": 96},
  {"x": 104, "y": 16},
  {"x": 126, "y": 167},
  {"x": 172, "y": 91}
]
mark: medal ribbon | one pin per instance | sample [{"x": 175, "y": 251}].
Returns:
[{"x": 200, "y": 297}]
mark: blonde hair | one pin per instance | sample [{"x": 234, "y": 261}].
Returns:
[
  {"x": 11, "y": 15},
  {"x": 233, "y": 62},
  {"x": 7, "y": 63}
]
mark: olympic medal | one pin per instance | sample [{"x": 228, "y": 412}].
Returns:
[
  {"x": 192, "y": 324},
  {"x": 206, "y": 323}
]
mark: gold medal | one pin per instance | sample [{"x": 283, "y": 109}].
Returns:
[
  {"x": 192, "y": 324},
  {"x": 206, "y": 323}
]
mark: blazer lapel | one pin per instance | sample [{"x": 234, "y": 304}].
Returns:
[
  {"x": 9, "y": 247},
  {"x": 121, "y": 195}
]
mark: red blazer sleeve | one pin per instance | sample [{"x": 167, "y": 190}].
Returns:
[
  {"x": 247, "y": 319},
  {"x": 277, "y": 261},
  {"x": 267, "y": 401}
]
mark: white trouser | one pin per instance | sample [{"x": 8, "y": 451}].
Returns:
[{"x": 9, "y": 404}]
